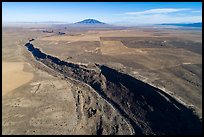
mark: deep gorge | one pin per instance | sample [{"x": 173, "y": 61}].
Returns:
[{"x": 148, "y": 109}]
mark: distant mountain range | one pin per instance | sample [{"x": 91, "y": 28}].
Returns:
[
  {"x": 90, "y": 22},
  {"x": 199, "y": 24}
]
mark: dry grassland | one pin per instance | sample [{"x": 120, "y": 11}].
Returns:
[{"x": 14, "y": 76}]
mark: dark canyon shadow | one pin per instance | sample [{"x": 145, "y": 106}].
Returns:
[{"x": 164, "y": 114}]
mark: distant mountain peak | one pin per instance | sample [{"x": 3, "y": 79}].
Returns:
[{"x": 89, "y": 21}]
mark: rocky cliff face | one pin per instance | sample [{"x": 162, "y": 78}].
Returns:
[{"x": 147, "y": 109}]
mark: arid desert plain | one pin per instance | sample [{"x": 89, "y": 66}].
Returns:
[{"x": 128, "y": 80}]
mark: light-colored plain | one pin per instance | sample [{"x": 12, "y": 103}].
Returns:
[{"x": 14, "y": 76}]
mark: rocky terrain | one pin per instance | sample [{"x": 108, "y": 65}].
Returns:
[
  {"x": 101, "y": 81},
  {"x": 147, "y": 109}
]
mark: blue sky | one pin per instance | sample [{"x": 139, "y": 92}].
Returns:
[{"x": 130, "y": 13}]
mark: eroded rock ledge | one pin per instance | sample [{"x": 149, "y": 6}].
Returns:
[{"x": 148, "y": 109}]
